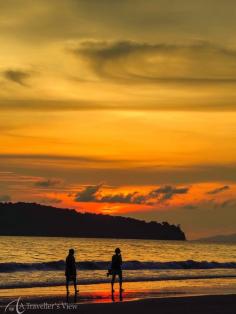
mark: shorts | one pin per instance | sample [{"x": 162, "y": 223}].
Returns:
[
  {"x": 118, "y": 272},
  {"x": 71, "y": 277}
]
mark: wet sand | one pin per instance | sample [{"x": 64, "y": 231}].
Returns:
[
  {"x": 145, "y": 297},
  {"x": 178, "y": 305}
]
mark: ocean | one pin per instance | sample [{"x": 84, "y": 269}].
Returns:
[{"x": 27, "y": 262}]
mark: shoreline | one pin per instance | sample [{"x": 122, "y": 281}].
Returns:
[
  {"x": 182, "y": 297},
  {"x": 129, "y": 280},
  {"x": 100, "y": 293}
]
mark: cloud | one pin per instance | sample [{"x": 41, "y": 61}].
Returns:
[
  {"x": 85, "y": 159},
  {"x": 54, "y": 105},
  {"x": 226, "y": 204},
  {"x": 17, "y": 76},
  {"x": 5, "y": 198},
  {"x": 88, "y": 194},
  {"x": 130, "y": 198},
  {"x": 161, "y": 51},
  {"x": 189, "y": 207},
  {"x": 92, "y": 194},
  {"x": 48, "y": 183},
  {"x": 112, "y": 19},
  {"x": 200, "y": 62},
  {"x": 116, "y": 175},
  {"x": 218, "y": 190},
  {"x": 48, "y": 200},
  {"x": 167, "y": 192},
  {"x": 169, "y": 189}
]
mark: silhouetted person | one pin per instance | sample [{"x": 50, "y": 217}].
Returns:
[
  {"x": 116, "y": 269},
  {"x": 70, "y": 272}
]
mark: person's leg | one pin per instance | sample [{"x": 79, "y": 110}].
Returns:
[
  {"x": 112, "y": 282},
  {"x": 67, "y": 285},
  {"x": 112, "y": 286},
  {"x": 120, "y": 280},
  {"x": 67, "y": 289},
  {"x": 75, "y": 285}
]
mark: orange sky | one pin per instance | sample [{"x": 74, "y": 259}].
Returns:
[{"x": 91, "y": 100}]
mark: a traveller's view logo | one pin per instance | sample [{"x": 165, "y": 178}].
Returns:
[
  {"x": 15, "y": 305},
  {"x": 20, "y": 307}
]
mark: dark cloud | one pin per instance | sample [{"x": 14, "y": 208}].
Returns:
[
  {"x": 88, "y": 194},
  {"x": 219, "y": 190},
  {"x": 48, "y": 183},
  {"x": 5, "y": 198},
  {"x": 169, "y": 189},
  {"x": 48, "y": 201},
  {"x": 168, "y": 192},
  {"x": 17, "y": 76},
  {"x": 200, "y": 62},
  {"x": 225, "y": 204},
  {"x": 92, "y": 194},
  {"x": 190, "y": 207},
  {"x": 130, "y": 198}
]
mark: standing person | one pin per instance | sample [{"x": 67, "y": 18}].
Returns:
[
  {"x": 116, "y": 269},
  {"x": 70, "y": 272}
]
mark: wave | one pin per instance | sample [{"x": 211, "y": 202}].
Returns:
[
  {"x": 57, "y": 283},
  {"x": 100, "y": 265}
]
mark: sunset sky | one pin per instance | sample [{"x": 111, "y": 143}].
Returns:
[{"x": 121, "y": 107}]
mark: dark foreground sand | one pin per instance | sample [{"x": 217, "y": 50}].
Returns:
[
  {"x": 220, "y": 304},
  {"x": 179, "y": 305}
]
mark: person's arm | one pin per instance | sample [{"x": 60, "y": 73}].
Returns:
[
  {"x": 120, "y": 260},
  {"x": 112, "y": 261}
]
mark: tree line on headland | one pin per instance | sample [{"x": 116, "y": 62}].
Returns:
[{"x": 32, "y": 219}]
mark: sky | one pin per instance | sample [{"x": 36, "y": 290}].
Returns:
[{"x": 121, "y": 107}]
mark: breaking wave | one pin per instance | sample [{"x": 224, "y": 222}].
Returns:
[
  {"x": 129, "y": 265},
  {"x": 55, "y": 283}
]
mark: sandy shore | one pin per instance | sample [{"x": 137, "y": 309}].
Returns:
[
  {"x": 220, "y": 304},
  {"x": 183, "y": 305},
  {"x": 146, "y": 297}
]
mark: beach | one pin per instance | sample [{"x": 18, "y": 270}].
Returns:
[
  {"x": 180, "y": 305},
  {"x": 159, "y": 276},
  {"x": 207, "y": 304},
  {"x": 149, "y": 297}
]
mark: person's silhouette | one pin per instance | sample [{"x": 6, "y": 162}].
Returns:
[
  {"x": 116, "y": 269},
  {"x": 70, "y": 272}
]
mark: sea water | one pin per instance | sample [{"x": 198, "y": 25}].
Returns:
[{"x": 39, "y": 261}]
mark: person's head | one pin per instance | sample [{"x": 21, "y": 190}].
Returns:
[
  {"x": 71, "y": 251},
  {"x": 117, "y": 251}
]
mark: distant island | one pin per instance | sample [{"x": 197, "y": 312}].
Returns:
[
  {"x": 31, "y": 219},
  {"x": 220, "y": 238}
]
